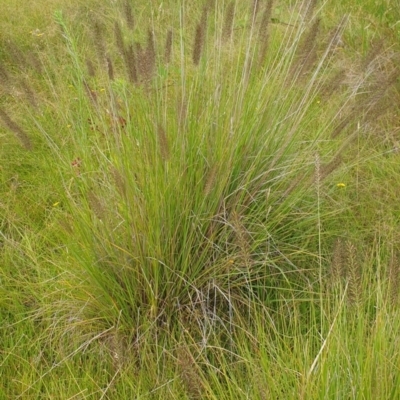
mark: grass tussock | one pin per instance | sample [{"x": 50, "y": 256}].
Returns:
[{"x": 209, "y": 207}]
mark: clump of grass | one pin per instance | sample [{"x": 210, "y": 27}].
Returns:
[
  {"x": 167, "y": 216},
  {"x": 203, "y": 219}
]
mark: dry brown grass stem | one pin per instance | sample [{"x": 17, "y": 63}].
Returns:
[
  {"x": 4, "y": 77},
  {"x": 227, "y": 29},
  {"x": 17, "y": 56},
  {"x": 189, "y": 374},
  {"x": 255, "y": 8},
  {"x": 29, "y": 93},
  {"x": 199, "y": 38},
  {"x": 335, "y": 37},
  {"x": 210, "y": 182},
  {"x": 130, "y": 22},
  {"x": 353, "y": 275},
  {"x": 263, "y": 32},
  {"x": 210, "y": 5},
  {"x": 35, "y": 62},
  {"x": 242, "y": 239},
  {"x": 337, "y": 270},
  {"x": 119, "y": 181},
  {"x": 182, "y": 110},
  {"x": 266, "y": 17},
  {"x": 394, "y": 279},
  {"x": 90, "y": 68},
  {"x": 119, "y": 39},
  {"x": 90, "y": 93},
  {"x": 374, "y": 102},
  {"x": 327, "y": 169},
  {"x": 18, "y": 131},
  {"x": 96, "y": 205},
  {"x": 334, "y": 84},
  {"x": 117, "y": 348},
  {"x": 110, "y": 68},
  {"x": 263, "y": 388},
  {"x": 151, "y": 52},
  {"x": 334, "y": 40},
  {"x": 168, "y": 47},
  {"x": 317, "y": 178},
  {"x": 375, "y": 50},
  {"x": 146, "y": 58},
  {"x": 307, "y": 9},
  {"x": 320, "y": 173},
  {"x": 345, "y": 121},
  {"x": 99, "y": 41},
  {"x": 163, "y": 143},
  {"x": 306, "y": 53},
  {"x": 130, "y": 64},
  {"x": 370, "y": 107}
]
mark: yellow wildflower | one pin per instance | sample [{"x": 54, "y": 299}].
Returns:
[{"x": 341, "y": 185}]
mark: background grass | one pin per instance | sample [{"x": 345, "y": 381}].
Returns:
[{"x": 221, "y": 225}]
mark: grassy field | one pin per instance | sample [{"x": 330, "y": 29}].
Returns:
[{"x": 199, "y": 200}]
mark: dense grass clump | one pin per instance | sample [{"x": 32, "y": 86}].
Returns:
[{"x": 193, "y": 205}]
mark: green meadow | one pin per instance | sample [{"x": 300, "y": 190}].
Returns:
[{"x": 200, "y": 199}]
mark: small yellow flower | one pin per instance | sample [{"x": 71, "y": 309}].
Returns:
[
  {"x": 102, "y": 90},
  {"x": 69, "y": 126},
  {"x": 341, "y": 185},
  {"x": 56, "y": 204}
]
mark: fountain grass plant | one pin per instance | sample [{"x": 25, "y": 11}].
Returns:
[{"x": 199, "y": 238}]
